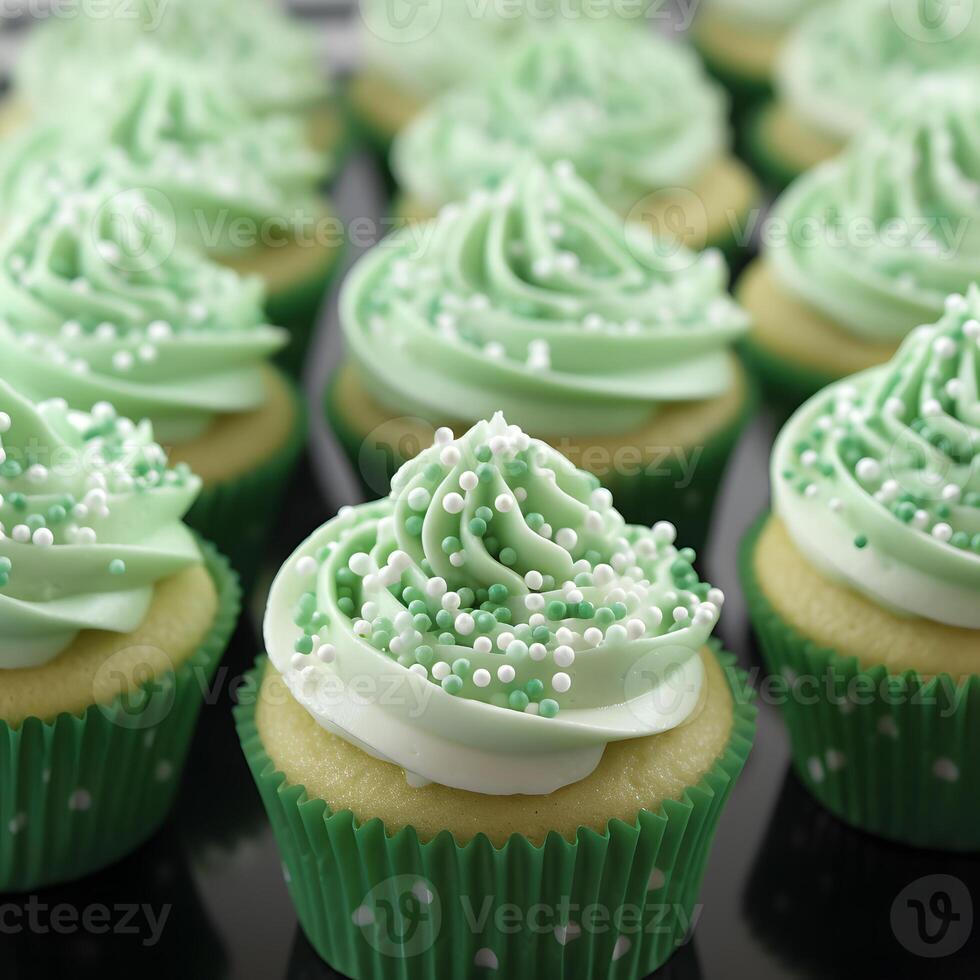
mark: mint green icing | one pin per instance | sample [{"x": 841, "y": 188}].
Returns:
[
  {"x": 507, "y": 609},
  {"x": 91, "y": 521},
  {"x": 537, "y": 300},
  {"x": 171, "y": 124},
  {"x": 849, "y": 59},
  {"x": 631, "y": 111},
  {"x": 878, "y": 477},
  {"x": 97, "y": 302},
  {"x": 269, "y": 61},
  {"x": 878, "y": 238}
]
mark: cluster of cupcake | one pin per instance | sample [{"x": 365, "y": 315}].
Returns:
[{"x": 498, "y": 679}]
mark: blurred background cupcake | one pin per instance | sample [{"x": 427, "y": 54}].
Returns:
[
  {"x": 740, "y": 41},
  {"x": 114, "y": 617},
  {"x": 845, "y": 62},
  {"x": 268, "y": 61},
  {"x": 862, "y": 587},
  {"x": 863, "y": 249},
  {"x": 634, "y": 113},
  {"x": 536, "y": 299},
  {"x": 100, "y": 302},
  {"x": 556, "y": 731}
]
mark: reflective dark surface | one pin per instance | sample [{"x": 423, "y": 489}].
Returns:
[{"x": 789, "y": 893}]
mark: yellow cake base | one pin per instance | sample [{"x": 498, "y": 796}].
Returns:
[
  {"x": 792, "y": 143},
  {"x": 789, "y": 329},
  {"x": 836, "y": 617},
  {"x": 237, "y": 444},
  {"x": 99, "y": 666},
  {"x": 749, "y": 53},
  {"x": 384, "y": 106},
  {"x": 633, "y": 775},
  {"x": 715, "y": 211}
]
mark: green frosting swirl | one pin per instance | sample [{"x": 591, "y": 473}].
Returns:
[
  {"x": 98, "y": 302},
  {"x": 537, "y": 300},
  {"x": 878, "y": 477},
  {"x": 165, "y": 122},
  {"x": 850, "y": 58},
  {"x": 269, "y": 62},
  {"x": 91, "y": 521},
  {"x": 498, "y": 582},
  {"x": 878, "y": 238},
  {"x": 632, "y": 112}
]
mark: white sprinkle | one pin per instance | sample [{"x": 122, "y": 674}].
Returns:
[
  {"x": 306, "y": 566},
  {"x": 504, "y": 503},
  {"x": 420, "y": 669},
  {"x": 481, "y": 677},
  {"x": 566, "y": 538},
  {"x": 435, "y": 587},
  {"x": 361, "y": 563},
  {"x": 43, "y": 537},
  {"x": 465, "y": 624},
  {"x": 506, "y": 673},
  {"x": 942, "y": 532},
  {"x": 444, "y": 435},
  {"x": 327, "y": 653},
  {"x": 664, "y": 532},
  {"x": 483, "y": 644},
  {"x": 537, "y": 651},
  {"x": 469, "y": 480},
  {"x": 451, "y": 601},
  {"x": 418, "y": 498},
  {"x": 593, "y": 636},
  {"x": 453, "y": 503},
  {"x": 441, "y": 670},
  {"x": 564, "y": 656},
  {"x": 868, "y": 470},
  {"x": 534, "y": 580},
  {"x": 561, "y": 682}
]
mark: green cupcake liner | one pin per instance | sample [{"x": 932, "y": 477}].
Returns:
[
  {"x": 670, "y": 494},
  {"x": 297, "y": 310},
  {"x": 375, "y": 905},
  {"x": 785, "y": 384},
  {"x": 81, "y": 791},
  {"x": 376, "y": 140},
  {"x": 239, "y": 515},
  {"x": 894, "y": 755}
]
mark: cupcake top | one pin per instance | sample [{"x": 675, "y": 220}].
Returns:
[
  {"x": 878, "y": 477},
  {"x": 878, "y": 238},
  {"x": 99, "y": 302},
  {"x": 166, "y": 122},
  {"x": 268, "y": 61},
  {"x": 536, "y": 299},
  {"x": 631, "y": 111},
  {"x": 850, "y": 58},
  {"x": 90, "y": 519},
  {"x": 514, "y": 624}
]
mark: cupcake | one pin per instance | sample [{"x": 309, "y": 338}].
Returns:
[
  {"x": 91, "y": 310},
  {"x": 465, "y": 709},
  {"x": 635, "y": 114},
  {"x": 863, "y": 584},
  {"x": 863, "y": 249},
  {"x": 843, "y": 64},
  {"x": 113, "y": 617},
  {"x": 538, "y": 300},
  {"x": 243, "y": 188},
  {"x": 740, "y": 41},
  {"x": 269, "y": 63}
]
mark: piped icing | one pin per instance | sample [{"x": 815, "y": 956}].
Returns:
[
  {"x": 99, "y": 302},
  {"x": 878, "y": 238},
  {"x": 90, "y": 521},
  {"x": 170, "y": 124},
  {"x": 492, "y": 624},
  {"x": 877, "y": 478},
  {"x": 632, "y": 112},
  {"x": 268, "y": 61},
  {"x": 849, "y": 59},
  {"x": 536, "y": 299}
]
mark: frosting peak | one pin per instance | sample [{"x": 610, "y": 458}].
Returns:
[
  {"x": 519, "y": 622},
  {"x": 90, "y": 520},
  {"x": 878, "y": 477},
  {"x": 99, "y": 302},
  {"x": 538, "y": 300}
]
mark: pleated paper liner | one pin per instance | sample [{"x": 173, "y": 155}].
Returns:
[
  {"x": 239, "y": 515},
  {"x": 895, "y": 755},
  {"x": 375, "y": 905},
  {"x": 81, "y": 791},
  {"x": 687, "y": 500}
]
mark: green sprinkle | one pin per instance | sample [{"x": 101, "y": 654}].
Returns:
[
  {"x": 508, "y": 557},
  {"x": 618, "y": 610},
  {"x": 444, "y": 619},
  {"x": 56, "y": 514},
  {"x": 425, "y": 656},
  {"x": 534, "y": 688},
  {"x": 541, "y": 634},
  {"x": 604, "y": 617},
  {"x": 548, "y": 708},
  {"x": 451, "y": 545},
  {"x": 485, "y": 472},
  {"x": 5, "y": 564},
  {"x": 498, "y": 593},
  {"x": 462, "y": 667},
  {"x": 586, "y": 610},
  {"x": 534, "y": 521},
  {"x": 861, "y": 541},
  {"x": 975, "y": 543},
  {"x": 432, "y": 472},
  {"x": 413, "y": 525},
  {"x": 503, "y": 614},
  {"x": 452, "y": 684},
  {"x": 484, "y": 453},
  {"x": 422, "y": 622},
  {"x": 960, "y": 540},
  {"x": 380, "y": 640},
  {"x": 555, "y": 610},
  {"x": 346, "y": 605},
  {"x": 447, "y": 639},
  {"x": 478, "y": 526},
  {"x": 416, "y": 607},
  {"x": 484, "y": 514},
  {"x": 117, "y": 567},
  {"x": 304, "y": 644},
  {"x": 518, "y": 700}
]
